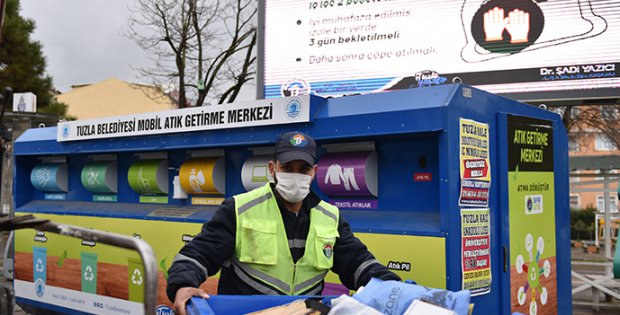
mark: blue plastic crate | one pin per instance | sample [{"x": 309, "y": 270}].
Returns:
[{"x": 241, "y": 304}]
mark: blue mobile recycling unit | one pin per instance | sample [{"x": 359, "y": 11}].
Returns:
[{"x": 450, "y": 186}]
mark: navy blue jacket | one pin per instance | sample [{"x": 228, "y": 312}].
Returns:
[{"x": 215, "y": 245}]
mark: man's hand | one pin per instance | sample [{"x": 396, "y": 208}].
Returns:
[{"x": 183, "y": 295}]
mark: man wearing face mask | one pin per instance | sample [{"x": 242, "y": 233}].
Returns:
[{"x": 279, "y": 239}]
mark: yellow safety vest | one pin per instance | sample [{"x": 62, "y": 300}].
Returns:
[{"x": 262, "y": 250}]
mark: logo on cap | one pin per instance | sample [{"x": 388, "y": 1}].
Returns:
[{"x": 299, "y": 140}]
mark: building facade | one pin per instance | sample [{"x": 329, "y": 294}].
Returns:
[
  {"x": 113, "y": 97},
  {"x": 586, "y": 140}
]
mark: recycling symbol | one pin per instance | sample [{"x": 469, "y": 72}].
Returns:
[
  {"x": 39, "y": 267},
  {"x": 89, "y": 275},
  {"x": 136, "y": 277}
]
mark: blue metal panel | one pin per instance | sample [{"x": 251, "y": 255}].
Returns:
[
  {"x": 396, "y": 101},
  {"x": 451, "y": 220},
  {"x": 399, "y": 112},
  {"x": 392, "y": 222},
  {"x": 562, "y": 214},
  {"x": 503, "y": 226},
  {"x": 201, "y": 214},
  {"x": 479, "y": 108},
  {"x": 562, "y": 218},
  {"x": 404, "y": 125},
  {"x": 482, "y": 107}
]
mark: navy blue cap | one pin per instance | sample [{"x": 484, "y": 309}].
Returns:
[{"x": 296, "y": 146}]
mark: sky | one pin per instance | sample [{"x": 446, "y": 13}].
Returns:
[{"x": 82, "y": 40}]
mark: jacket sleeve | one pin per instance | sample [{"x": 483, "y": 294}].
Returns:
[
  {"x": 205, "y": 254},
  {"x": 353, "y": 263}
]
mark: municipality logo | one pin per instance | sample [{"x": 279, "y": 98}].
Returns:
[
  {"x": 293, "y": 109},
  {"x": 328, "y": 250},
  {"x": 39, "y": 287},
  {"x": 299, "y": 140},
  {"x": 294, "y": 87},
  {"x": 533, "y": 204},
  {"x": 65, "y": 131},
  {"x": 429, "y": 78}
]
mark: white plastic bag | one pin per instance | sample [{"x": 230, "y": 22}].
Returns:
[{"x": 346, "y": 305}]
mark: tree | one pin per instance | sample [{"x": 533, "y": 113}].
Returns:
[
  {"x": 580, "y": 120},
  {"x": 22, "y": 62},
  {"x": 205, "y": 47}
]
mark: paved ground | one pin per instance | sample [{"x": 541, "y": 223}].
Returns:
[{"x": 577, "y": 255}]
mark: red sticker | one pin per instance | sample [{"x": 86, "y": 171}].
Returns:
[{"x": 422, "y": 177}]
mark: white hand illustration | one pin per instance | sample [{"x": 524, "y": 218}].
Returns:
[
  {"x": 518, "y": 26},
  {"x": 494, "y": 24}
]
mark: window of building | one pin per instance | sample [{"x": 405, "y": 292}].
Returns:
[
  {"x": 575, "y": 201},
  {"x": 609, "y": 112},
  {"x": 573, "y": 145},
  {"x": 608, "y": 172},
  {"x": 573, "y": 179},
  {"x": 602, "y": 143},
  {"x": 598, "y": 178},
  {"x": 613, "y": 200}
]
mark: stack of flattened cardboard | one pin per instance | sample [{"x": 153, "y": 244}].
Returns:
[{"x": 298, "y": 307}]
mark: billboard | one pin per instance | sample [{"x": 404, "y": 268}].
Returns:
[{"x": 526, "y": 49}]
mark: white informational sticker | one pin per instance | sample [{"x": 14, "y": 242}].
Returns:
[{"x": 244, "y": 114}]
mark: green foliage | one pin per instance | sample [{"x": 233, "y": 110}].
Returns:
[
  {"x": 57, "y": 108},
  {"x": 61, "y": 258},
  {"x": 24, "y": 62},
  {"x": 162, "y": 265},
  {"x": 582, "y": 223}
]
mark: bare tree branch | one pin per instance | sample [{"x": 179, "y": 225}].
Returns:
[
  {"x": 207, "y": 49},
  {"x": 591, "y": 119}
]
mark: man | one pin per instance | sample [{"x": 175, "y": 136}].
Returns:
[{"x": 277, "y": 239}]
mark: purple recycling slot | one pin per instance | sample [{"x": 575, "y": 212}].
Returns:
[{"x": 348, "y": 174}]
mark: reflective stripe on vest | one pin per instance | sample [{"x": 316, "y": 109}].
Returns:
[{"x": 262, "y": 248}]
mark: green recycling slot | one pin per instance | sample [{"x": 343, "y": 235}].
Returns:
[
  {"x": 149, "y": 177},
  {"x": 100, "y": 177}
]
